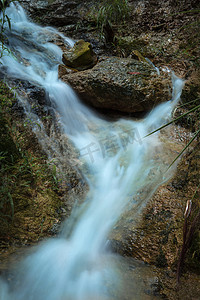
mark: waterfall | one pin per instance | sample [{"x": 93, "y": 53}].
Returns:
[{"x": 119, "y": 160}]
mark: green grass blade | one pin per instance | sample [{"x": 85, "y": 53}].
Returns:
[
  {"x": 195, "y": 192},
  {"x": 188, "y": 102},
  {"x": 8, "y": 20},
  {"x": 188, "y": 144},
  {"x": 174, "y": 120}
]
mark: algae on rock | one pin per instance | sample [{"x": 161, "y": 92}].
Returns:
[{"x": 80, "y": 57}]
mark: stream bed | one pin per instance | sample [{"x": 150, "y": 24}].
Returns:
[{"x": 121, "y": 165}]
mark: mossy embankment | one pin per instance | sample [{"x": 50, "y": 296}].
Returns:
[{"x": 29, "y": 194}]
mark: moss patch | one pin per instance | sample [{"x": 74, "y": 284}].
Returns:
[
  {"x": 29, "y": 198},
  {"x": 80, "y": 57}
]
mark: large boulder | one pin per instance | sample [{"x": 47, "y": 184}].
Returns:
[
  {"x": 120, "y": 84},
  {"x": 80, "y": 57}
]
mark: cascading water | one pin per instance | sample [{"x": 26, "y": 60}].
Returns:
[{"x": 118, "y": 161}]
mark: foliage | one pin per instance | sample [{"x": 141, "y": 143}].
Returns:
[
  {"x": 111, "y": 12},
  {"x": 4, "y": 19}
]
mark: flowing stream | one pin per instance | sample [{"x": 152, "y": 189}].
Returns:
[{"x": 117, "y": 162}]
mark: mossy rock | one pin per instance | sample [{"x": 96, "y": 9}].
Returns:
[
  {"x": 80, "y": 57},
  {"x": 135, "y": 54},
  {"x": 129, "y": 43}
]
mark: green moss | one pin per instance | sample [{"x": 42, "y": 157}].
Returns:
[
  {"x": 129, "y": 43},
  {"x": 80, "y": 57},
  {"x": 8, "y": 148},
  {"x": 27, "y": 185}
]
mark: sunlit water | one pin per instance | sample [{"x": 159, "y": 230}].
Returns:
[{"x": 118, "y": 160}]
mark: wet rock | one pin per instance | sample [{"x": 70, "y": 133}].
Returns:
[
  {"x": 80, "y": 57},
  {"x": 63, "y": 70},
  {"x": 37, "y": 95},
  {"x": 154, "y": 234},
  {"x": 120, "y": 84},
  {"x": 55, "y": 13}
]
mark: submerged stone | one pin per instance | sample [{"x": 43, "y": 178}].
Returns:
[{"x": 80, "y": 57}]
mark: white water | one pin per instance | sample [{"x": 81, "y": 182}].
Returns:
[{"x": 119, "y": 163}]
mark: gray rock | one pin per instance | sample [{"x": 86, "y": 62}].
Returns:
[
  {"x": 120, "y": 84},
  {"x": 55, "y": 12}
]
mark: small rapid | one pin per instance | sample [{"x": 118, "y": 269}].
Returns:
[{"x": 118, "y": 157}]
